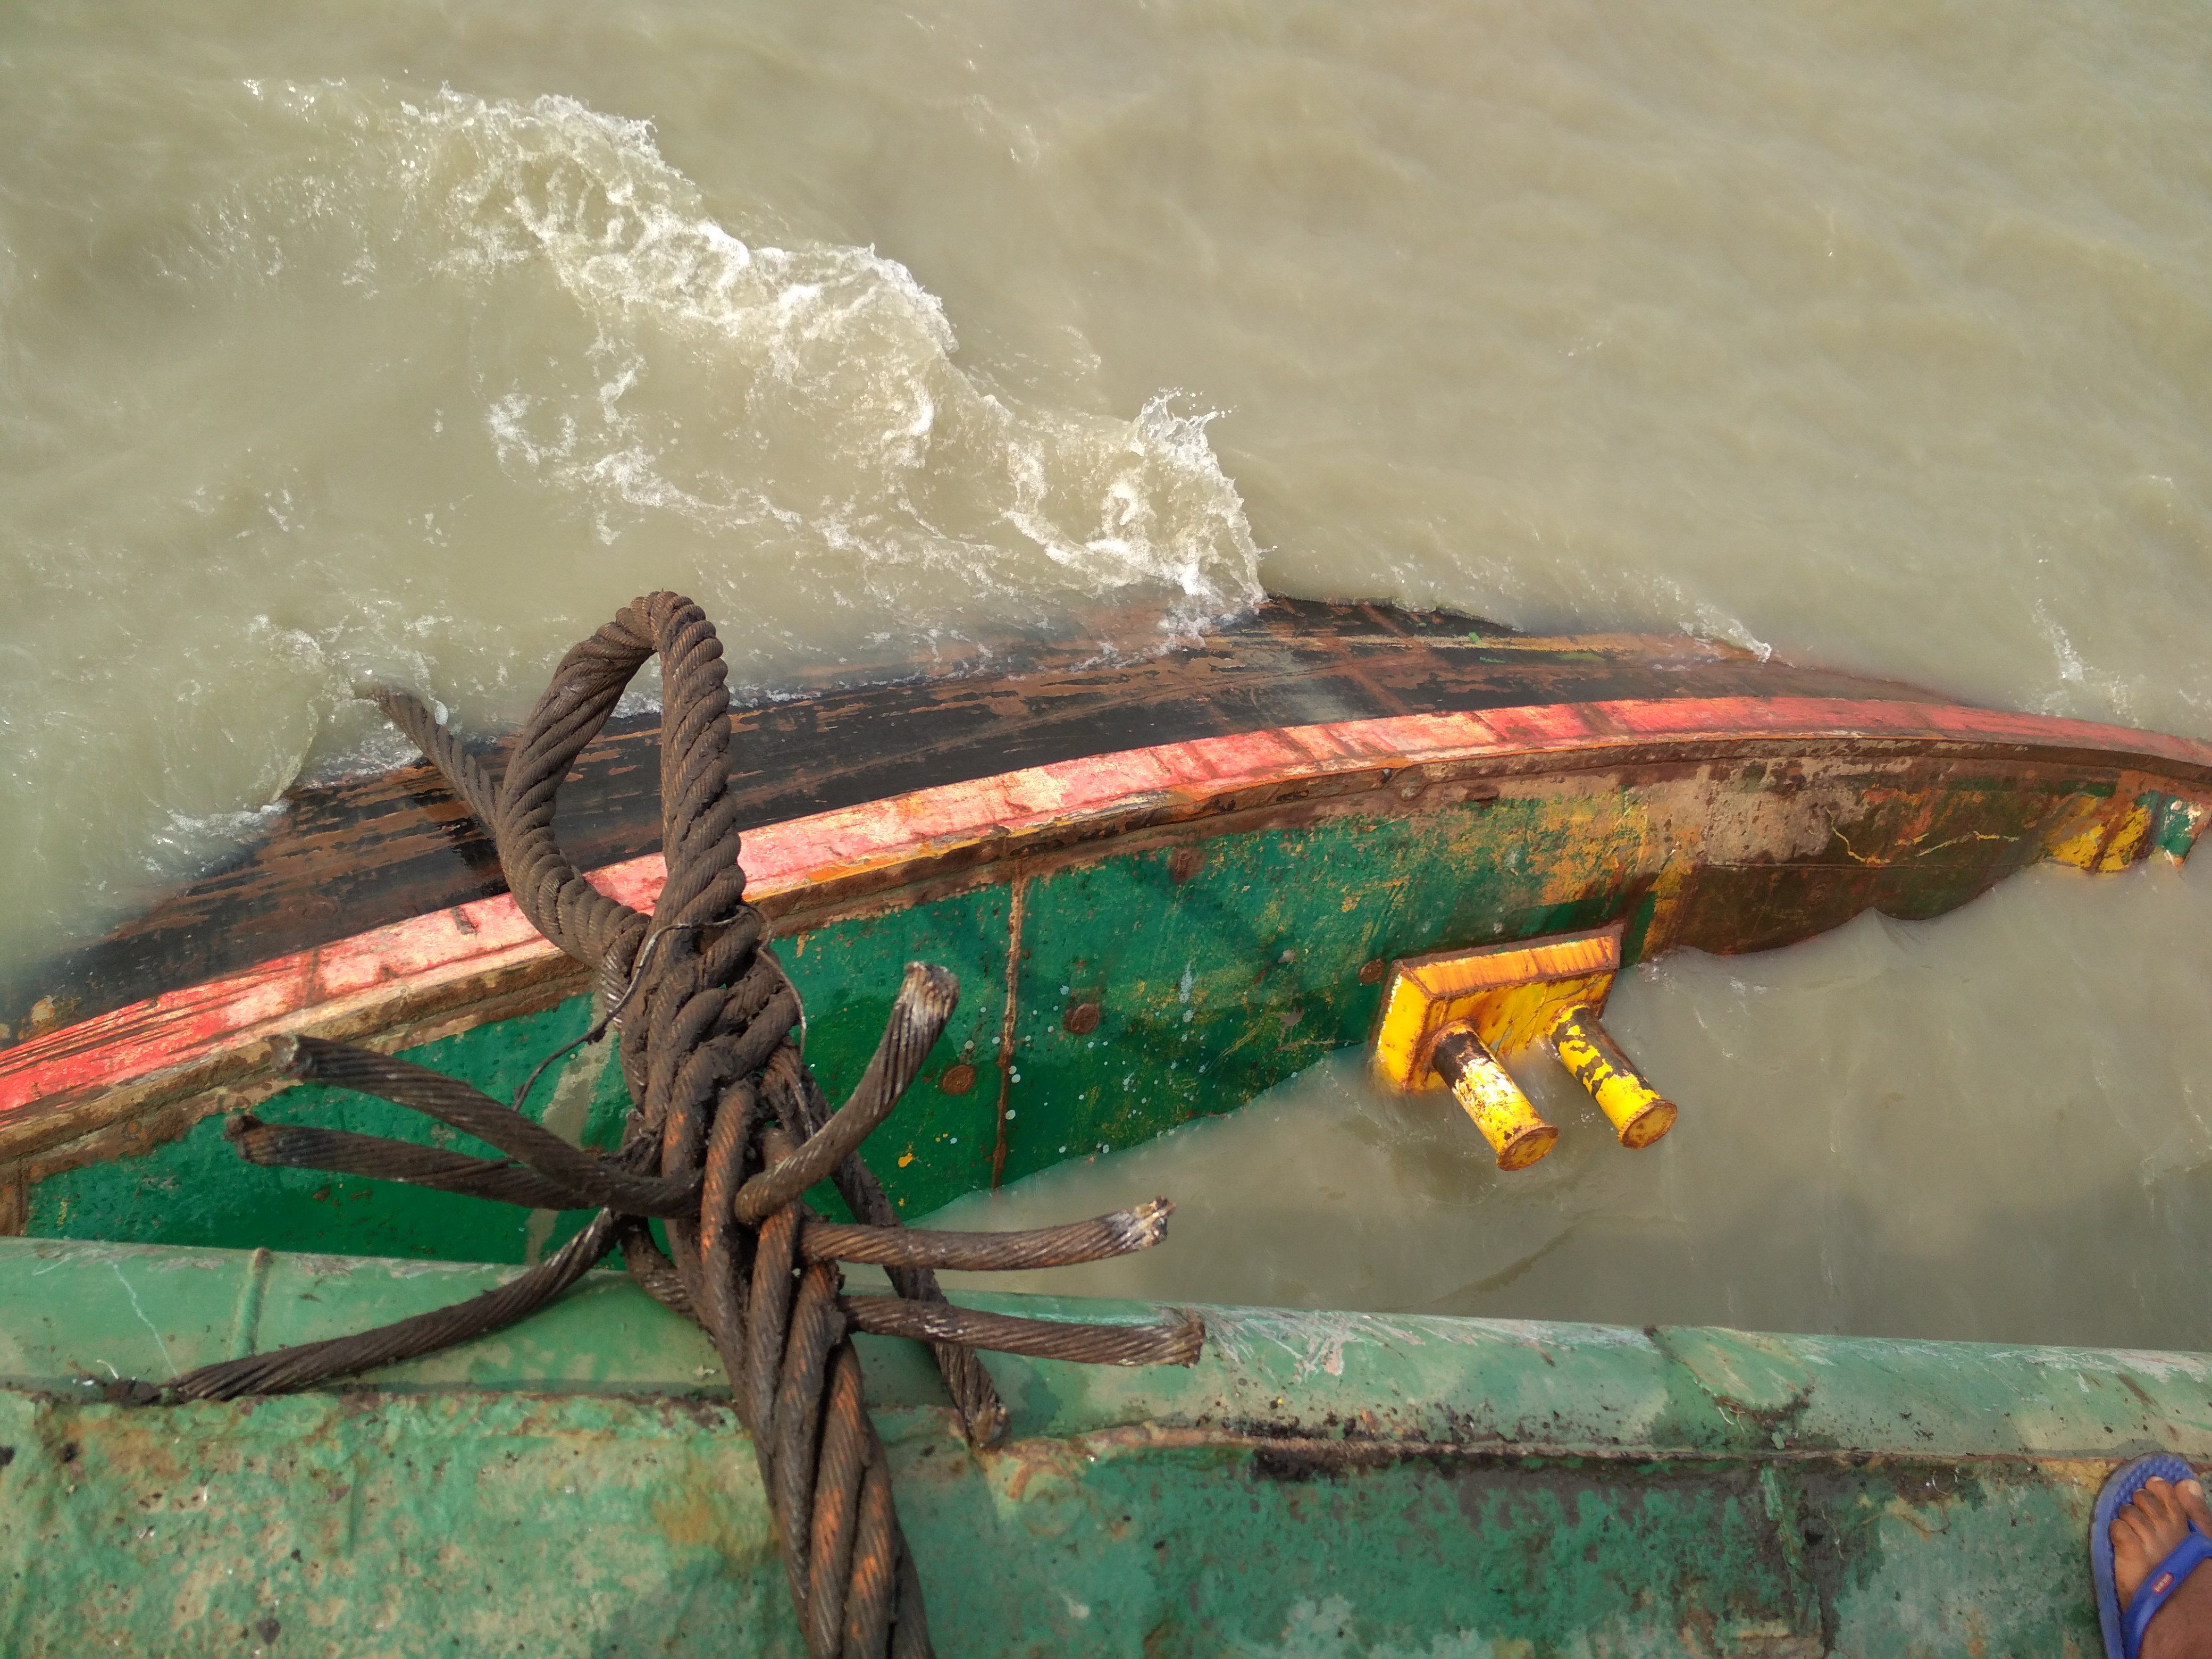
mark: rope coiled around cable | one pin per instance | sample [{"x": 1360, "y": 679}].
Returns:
[{"x": 728, "y": 1128}]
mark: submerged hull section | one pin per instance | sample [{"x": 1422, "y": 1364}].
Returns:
[
  {"x": 1141, "y": 937},
  {"x": 1318, "y": 1483}
]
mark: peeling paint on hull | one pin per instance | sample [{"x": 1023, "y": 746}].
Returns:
[
  {"x": 1208, "y": 906},
  {"x": 1436, "y": 1487}
]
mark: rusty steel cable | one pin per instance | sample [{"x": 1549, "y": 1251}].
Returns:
[
  {"x": 1117, "y": 1234},
  {"x": 340, "y": 1151},
  {"x": 728, "y": 1129}
]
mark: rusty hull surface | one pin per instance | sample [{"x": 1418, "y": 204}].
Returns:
[
  {"x": 359, "y": 853},
  {"x": 1165, "y": 956},
  {"x": 1319, "y": 1484}
]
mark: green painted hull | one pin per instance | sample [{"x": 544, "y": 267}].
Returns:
[
  {"x": 1318, "y": 1484},
  {"x": 1219, "y": 967}
]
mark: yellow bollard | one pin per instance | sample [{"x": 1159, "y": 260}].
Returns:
[
  {"x": 1639, "y": 1113},
  {"x": 1490, "y": 1096}
]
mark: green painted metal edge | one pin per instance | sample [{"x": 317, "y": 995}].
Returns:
[{"x": 1319, "y": 1484}]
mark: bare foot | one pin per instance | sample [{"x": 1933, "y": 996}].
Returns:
[{"x": 2144, "y": 1533}]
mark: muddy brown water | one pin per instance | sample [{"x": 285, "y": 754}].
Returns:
[{"x": 413, "y": 339}]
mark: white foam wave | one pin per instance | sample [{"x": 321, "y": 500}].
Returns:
[{"x": 801, "y": 397}]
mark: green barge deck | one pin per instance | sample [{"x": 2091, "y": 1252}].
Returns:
[{"x": 1319, "y": 1484}]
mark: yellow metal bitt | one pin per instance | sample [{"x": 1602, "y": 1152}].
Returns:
[
  {"x": 1638, "y": 1113},
  {"x": 1488, "y": 1094},
  {"x": 1511, "y": 994},
  {"x": 1446, "y": 1017}
]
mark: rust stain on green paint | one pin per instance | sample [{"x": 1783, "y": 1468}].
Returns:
[{"x": 1206, "y": 979}]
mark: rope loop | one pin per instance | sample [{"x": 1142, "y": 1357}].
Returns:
[{"x": 728, "y": 1129}]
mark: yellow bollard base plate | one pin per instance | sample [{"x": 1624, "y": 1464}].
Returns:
[{"x": 1510, "y": 994}]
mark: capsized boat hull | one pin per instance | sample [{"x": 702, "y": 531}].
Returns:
[
  {"x": 1318, "y": 1483},
  {"x": 1141, "y": 937}
]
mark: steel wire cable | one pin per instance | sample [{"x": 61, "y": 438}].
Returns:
[{"x": 728, "y": 1129}]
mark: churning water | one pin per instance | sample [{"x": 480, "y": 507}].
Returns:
[{"x": 413, "y": 339}]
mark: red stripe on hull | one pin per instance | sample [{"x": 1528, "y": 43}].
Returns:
[{"x": 491, "y": 936}]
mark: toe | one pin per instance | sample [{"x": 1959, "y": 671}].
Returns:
[
  {"x": 2157, "y": 1502},
  {"x": 2191, "y": 1495},
  {"x": 2129, "y": 1533},
  {"x": 2131, "y": 1560}
]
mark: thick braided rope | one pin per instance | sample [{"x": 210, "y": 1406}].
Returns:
[{"x": 728, "y": 1128}]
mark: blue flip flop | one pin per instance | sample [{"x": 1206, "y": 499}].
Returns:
[{"x": 2124, "y": 1626}]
